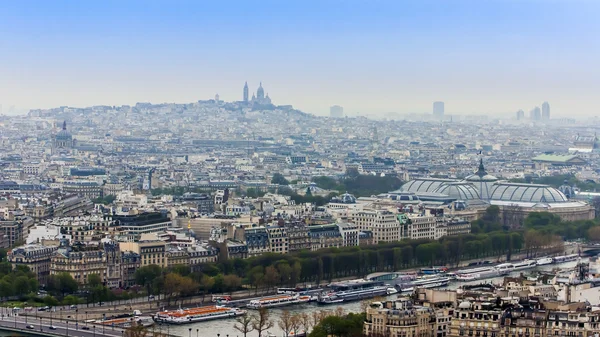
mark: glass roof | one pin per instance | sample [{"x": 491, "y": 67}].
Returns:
[{"x": 526, "y": 193}]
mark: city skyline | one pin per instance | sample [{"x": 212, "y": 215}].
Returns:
[{"x": 479, "y": 58}]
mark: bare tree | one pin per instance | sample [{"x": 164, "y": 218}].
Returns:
[
  {"x": 296, "y": 322},
  {"x": 262, "y": 321},
  {"x": 285, "y": 322},
  {"x": 245, "y": 324},
  {"x": 339, "y": 312},
  {"x": 306, "y": 322}
]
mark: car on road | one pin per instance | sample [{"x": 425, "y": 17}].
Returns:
[
  {"x": 73, "y": 307},
  {"x": 85, "y": 327},
  {"x": 52, "y": 327},
  {"x": 29, "y": 326}
]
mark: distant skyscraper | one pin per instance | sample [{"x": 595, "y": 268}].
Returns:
[
  {"x": 246, "y": 92},
  {"x": 336, "y": 111},
  {"x": 520, "y": 115},
  {"x": 545, "y": 111},
  {"x": 535, "y": 114},
  {"x": 438, "y": 109}
]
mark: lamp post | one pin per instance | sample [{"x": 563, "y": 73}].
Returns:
[
  {"x": 86, "y": 318},
  {"x": 190, "y": 334},
  {"x": 197, "y": 332},
  {"x": 15, "y": 316},
  {"x": 94, "y": 330},
  {"x": 67, "y": 327}
]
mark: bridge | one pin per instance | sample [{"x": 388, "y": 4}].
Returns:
[
  {"x": 31, "y": 327},
  {"x": 589, "y": 249}
]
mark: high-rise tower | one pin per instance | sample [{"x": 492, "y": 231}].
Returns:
[
  {"x": 246, "y": 92},
  {"x": 545, "y": 111},
  {"x": 438, "y": 109}
]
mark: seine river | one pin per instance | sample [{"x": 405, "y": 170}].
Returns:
[{"x": 225, "y": 328}]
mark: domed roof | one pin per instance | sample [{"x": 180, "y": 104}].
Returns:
[
  {"x": 345, "y": 198},
  {"x": 260, "y": 92},
  {"x": 465, "y": 305},
  {"x": 481, "y": 174},
  {"x": 526, "y": 193},
  {"x": 64, "y": 134},
  {"x": 459, "y": 191}
]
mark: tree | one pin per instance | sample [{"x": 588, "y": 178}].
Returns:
[
  {"x": 286, "y": 322},
  {"x": 172, "y": 285},
  {"x": 244, "y": 324},
  {"x": 305, "y": 321},
  {"x": 594, "y": 233},
  {"x": 50, "y": 301},
  {"x": 146, "y": 275},
  {"x": 6, "y": 289},
  {"x": 279, "y": 179},
  {"x": 262, "y": 321},
  {"x": 206, "y": 283},
  {"x": 94, "y": 280},
  {"x": 271, "y": 276},
  {"x": 232, "y": 282},
  {"x": 21, "y": 285}
]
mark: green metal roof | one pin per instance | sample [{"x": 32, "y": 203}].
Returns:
[{"x": 556, "y": 158}]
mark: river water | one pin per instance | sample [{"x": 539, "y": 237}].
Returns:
[{"x": 224, "y": 327}]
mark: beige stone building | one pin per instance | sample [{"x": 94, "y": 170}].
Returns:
[
  {"x": 400, "y": 318},
  {"x": 35, "y": 257},
  {"x": 80, "y": 262}
]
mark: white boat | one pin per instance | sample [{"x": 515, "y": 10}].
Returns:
[
  {"x": 200, "y": 314},
  {"x": 565, "y": 258},
  {"x": 525, "y": 264},
  {"x": 505, "y": 268},
  {"x": 424, "y": 283},
  {"x": 277, "y": 301},
  {"x": 352, "y": 291},
  {"x": 391, "y": 291},
  {"x": 473, "y": 274},
  {"x": 544, "y": 261}
]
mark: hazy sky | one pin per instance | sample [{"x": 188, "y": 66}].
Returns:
[{"x": 369, "y": 56}]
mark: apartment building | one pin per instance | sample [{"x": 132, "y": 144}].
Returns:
[
  {"x": 325, "y": 236},
  {"x": 152, "y": 251},
  {"x": 382, "y": 223},
  {"x": 278, "y": 240},
  {"x": 132, "y": 227},
  {"x": 476, "y": 319},
  {"x": 35, "y": 257},
  {"x": 400, "y": 318},
  {"x": 80, "y": 262}
]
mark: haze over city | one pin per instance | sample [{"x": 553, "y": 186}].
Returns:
[{"x": 479, "y": 57}]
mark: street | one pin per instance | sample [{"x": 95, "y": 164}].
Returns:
[{"x": 62, "y": 328}]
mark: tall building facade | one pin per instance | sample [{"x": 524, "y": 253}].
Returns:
[
  {"x": 545, "y": 111},
  {"x": 246, "y": 92},
  {"x": 438, "y": 109},
  {"x": 520, "y": 115},
  {"x": 535, "y": 114},
  {"x": 336, "y": 111}
]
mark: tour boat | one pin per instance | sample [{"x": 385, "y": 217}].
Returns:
[
  {"x": 565, "y": 258},
  {"x": 433, "y": 270},
  {"x": 544, "y": 261},
  {"x": 525, "y": 264},
  {"x": 473, "y": 274},
  {"x": 126, "y": 322},
  {"x": 424, "y": 283},
  {"x": 505, "y": 268},
  {"x": 353, "y": 290},
  {"x": 200, "y": 314},
  {"x": 277, "y": 301}
]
